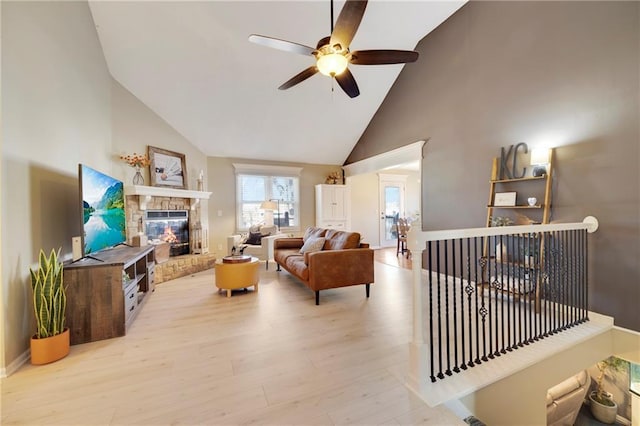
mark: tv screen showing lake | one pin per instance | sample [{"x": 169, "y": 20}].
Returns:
[
  {"x": 103, "y": 210},
  {"x": 104, "y": 228}
]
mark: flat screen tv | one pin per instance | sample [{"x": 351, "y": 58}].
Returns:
[{"x": 103, "y": 216}]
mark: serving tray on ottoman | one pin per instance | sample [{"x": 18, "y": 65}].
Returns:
[{"x": 236, "y": 259}]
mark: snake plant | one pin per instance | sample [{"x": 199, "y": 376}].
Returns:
[{"x": 49, "y": 295}]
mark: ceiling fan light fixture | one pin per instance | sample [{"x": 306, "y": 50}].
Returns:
[{"x": 332, "y": 64}]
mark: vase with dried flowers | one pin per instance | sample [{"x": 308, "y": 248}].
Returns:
[{"x": 137, "y": 161}]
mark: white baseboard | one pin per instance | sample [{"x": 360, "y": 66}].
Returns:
[{"x": 16, "y": 364}]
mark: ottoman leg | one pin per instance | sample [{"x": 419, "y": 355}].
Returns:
[{"x": 228, "y": 293}]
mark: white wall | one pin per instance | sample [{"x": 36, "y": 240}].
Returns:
[
  {"x": 365, "y": 202},
  {"x": 520, "y": 398},
  {"x": 2, "y": 304},
  {"x": 412, "y": 199},
  {"x": 135, "y": 127},
  {"x": 222, "y": 179},
  {"x": 365, "y": 207},
  {"x": 60, "y": 107},
  {"x": 55, "y": 114}
]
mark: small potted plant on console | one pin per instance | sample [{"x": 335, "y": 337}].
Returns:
[{"x": 51, "y": 341}]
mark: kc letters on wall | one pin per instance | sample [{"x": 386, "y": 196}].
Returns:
[{"x": 508, "y": 161}]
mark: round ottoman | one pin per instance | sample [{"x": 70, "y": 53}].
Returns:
[{"x": 231, "y": 276}]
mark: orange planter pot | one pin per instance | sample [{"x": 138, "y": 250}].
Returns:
[{"x": 50, "y": 349}]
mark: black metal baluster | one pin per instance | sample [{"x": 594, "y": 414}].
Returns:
[
  {"x": 483, "y": 312},
  {"x": 586, "y": 277},
  {"x": 521, "y": 291},
  {"x": 530, "y": 294},
  {"x": 561, "y": 279},
  {"x": 475, "y": 242},
  {"x": 585, "y": 262},
  {"x": 492, "y": 244},
  {"x": 580, "y": 255},
  {"x": 502, "y": 293},
  {"x": 455, "y": 317},
  {"x": 535, "y": 277},
  {"x": 571, "y": 280},
  {"x": 574, "y": 288},
  {"x": 581, "y": 275},
  {"x": 567, "y": 254},
  {"x": 545, "y": 283},
  {"x": 470, "y": 289},
  {"x": 446, "y": 305},
  {"x": 518, "y": 261},
  {"x": 430, "y": 256},
  {"x": 556, "y": 280},
  {"x": 440, "y": 375},
  {"x": 463, "y": 363},
  {"x": 511, "y": 307},
  {"x": 553, "y": 254}
]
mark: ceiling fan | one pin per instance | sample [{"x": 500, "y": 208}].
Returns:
[{"x": 332, "y": 53}]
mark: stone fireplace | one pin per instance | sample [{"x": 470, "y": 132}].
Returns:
[{"x": 175, "y": 216}]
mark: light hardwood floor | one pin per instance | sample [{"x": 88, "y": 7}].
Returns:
[{"x": 193, "y": 356}]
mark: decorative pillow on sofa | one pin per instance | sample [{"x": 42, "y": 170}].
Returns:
[
  {"x": 311, "y": 245},
  {"x": 313, "y": 232},
  {"x": 254, "y": 238},
  {"x": 338, "y": 240}
]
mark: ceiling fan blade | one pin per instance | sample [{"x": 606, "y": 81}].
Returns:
[
  {"x": 348, "y": 83},
  {"x": 299, "y": 78},
  {"x": 382, "y": 57},
  {"x": 348, "y": 22},
  {"x": 287, "y": 46}
]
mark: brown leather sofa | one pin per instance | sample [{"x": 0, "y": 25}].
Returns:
[{"x": 341, "y": 261}]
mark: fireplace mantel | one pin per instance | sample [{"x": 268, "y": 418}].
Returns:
[{"x": 145, "y": 193}]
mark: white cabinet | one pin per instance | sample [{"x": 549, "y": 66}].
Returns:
[{"x": 333, "y": 206}]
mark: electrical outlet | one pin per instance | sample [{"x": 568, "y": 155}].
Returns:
[
  {"x": 219, "y": 246},
  {"x": 219, "y": 213}
]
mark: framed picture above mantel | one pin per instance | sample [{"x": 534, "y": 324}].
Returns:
[{"x": 167, "y": 168}]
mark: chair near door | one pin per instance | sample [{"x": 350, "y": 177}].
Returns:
[{"x": 402, "y": 227}]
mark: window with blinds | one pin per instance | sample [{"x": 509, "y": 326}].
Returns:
[{"x": 254, "y": 189}]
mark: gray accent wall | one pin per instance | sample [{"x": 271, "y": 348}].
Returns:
[{"x": 561, "y": 74}]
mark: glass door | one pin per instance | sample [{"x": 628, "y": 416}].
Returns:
[{"x": 392, "y": 207}]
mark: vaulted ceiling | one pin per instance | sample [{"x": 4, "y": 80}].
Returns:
[{"x": 191, "y": 63}]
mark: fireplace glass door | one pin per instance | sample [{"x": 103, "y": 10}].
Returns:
[{"x": 170, "y": 226}]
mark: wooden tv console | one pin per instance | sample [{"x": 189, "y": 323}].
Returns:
[{"x": 104, "y": 296}]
